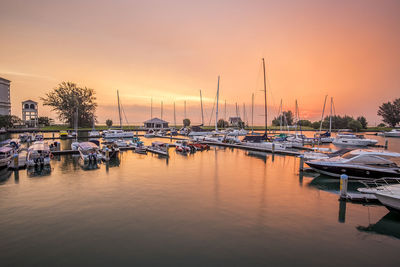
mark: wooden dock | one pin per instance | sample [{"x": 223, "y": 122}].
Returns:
[
  {"x": 251, "y": 148},
  {"x": 359, "y": 197}
]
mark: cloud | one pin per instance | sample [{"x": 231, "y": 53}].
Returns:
[{"x": 27, "y": 75}]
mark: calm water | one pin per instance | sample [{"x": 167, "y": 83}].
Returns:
[{"x": 220, "y": 207}]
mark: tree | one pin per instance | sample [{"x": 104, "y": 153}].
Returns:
[
  {"x": 46, "y": 121},
  {"x": 287, "y": 119},
  {"x": 222, "y": 123},
  {"x": 363, "y": 121},
  {"x": 9, "y": 121},
  {"x": 381, "y": 125},
  {"x": 355, "y": 125},
  {"x": 390, "y": 112},
  {"x": 65, "y": 98},
  {"x": 109, "y": 123},
  {"x": 186, "y": 123},
  {"x": 316, "y": 124},
  {"x": 305, "y": 123}
]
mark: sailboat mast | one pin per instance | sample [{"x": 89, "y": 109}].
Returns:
[
  {"x": 322, "y": 116},
  {"x": 330, "y": 117},
  {"x": 225, "y": 110},
  {"x": 202, "y": 114},
  {"x": 185, "y": 109},
  {"x": 151, "y": 108},
  {"x": 119, "y": 111},
  {"x": 216, "y": 110},
  {"x": 174, "y": 116},
  {"x": 265, "y": 98},
  {"x": 161, "y": 109},
  {"x": 252, "y": 112},
  {"x": 281, "y": 116},
  {"x": 76, "y": 122},
  {"x": 244, "y": 114}
]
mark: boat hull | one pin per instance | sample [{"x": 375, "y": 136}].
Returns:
[
  {"x": 390, "y": 201},
  {"x": 353, "y": 172}
]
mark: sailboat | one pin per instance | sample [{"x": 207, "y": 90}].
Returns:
[
  {"x": 118, "y": 133},
  {"x": 197, "y": 130},
  {"x": 326, "y": 137},
  {"x": 74, "y": 145},
  {"x": 94, "y": 132}
]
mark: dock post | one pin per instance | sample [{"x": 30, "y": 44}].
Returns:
[
  {"x": 53, "y": 135},
  {"x": 343, "y": 185},
  {"x": 301, "y": 163},
  {"x": 273, "y": 148},
  {"x": 107, "y": 154},
  {"x": 386, "y": 144},
  {"x": 16, "y": 161}
]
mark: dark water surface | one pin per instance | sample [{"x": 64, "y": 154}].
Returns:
[{"x": 220, "y": 207}]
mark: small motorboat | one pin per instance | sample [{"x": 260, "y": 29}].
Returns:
[
  {"x": 110, "y": 151},
  {"x": 386, "y": 190},
  {"x": 159, "y": 148},
  {"x": 90, "y": 152},
  {"x": 392, "y": 133},
  {"x": 183, "y": 147},
  {"x": 63, "y": 134},
  {"x": 6, "y": 155},
  {"x": 118, "y": 133},
  {"x": 150, "y": 133},
  {"x": 359, "y": 164},
  {"x": 94, "y": 133},
  {"x": 353, "y": 140},
  {"x": 39, "y": 154},
  {"x": 121, "y": 143},
  {"x": 25, "y": 137},
  {"x": 38, "y": 137}
]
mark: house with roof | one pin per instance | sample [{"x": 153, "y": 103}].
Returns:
[
  {"x": 155, "y": 123},
  {"x": 30, "y": 113},
  {"x": 235, "y": 121}
]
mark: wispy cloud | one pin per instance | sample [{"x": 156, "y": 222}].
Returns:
[{"x": 27, "y": 75}]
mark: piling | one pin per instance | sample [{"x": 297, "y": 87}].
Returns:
[
  {"x": 386, "y": 144},
  {"x": 301, "y": 163},
  {"x": 107, "y": 154},
  {"x": 16, "y": 161},
  {"x": 273, "y": 148},
  {"x": 344, "y": 179}
]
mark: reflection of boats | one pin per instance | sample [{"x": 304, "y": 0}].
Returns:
[
  {"x": 39, "y": 171},
  {"x": 392, "y": 133},
  {"x": 38, "y": 154},
  {"x": 90, "y": 152},
  {"x": 158, "y": 148},
  {"x": 4, "y": 175},
  {"x": 388, "y": 225},
  {"x": 353, "y": 140},
  {"x": 359, "y": 164}
]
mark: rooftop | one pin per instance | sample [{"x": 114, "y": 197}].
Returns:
[{"x": 155, "y": 120}]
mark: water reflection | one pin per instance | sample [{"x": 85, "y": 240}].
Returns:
[
  {"x": 388, "y": 225},
  {"x": 4, "y": 175},
  {"x": 39, "y": 171}
]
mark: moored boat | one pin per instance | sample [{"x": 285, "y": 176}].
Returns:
[
  {"x": 353, "y": 140},
  {"x": 38, "y": 154},
  {"x": 90, "y": 152}
]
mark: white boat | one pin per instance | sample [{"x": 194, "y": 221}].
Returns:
[
  {"x": 75, "y": 145},
  {"x": 359, "y": 164},
  {"x": 115, "y": 134},
  {"x": 90, "y": 152},
  {"x": 121, "y": 143},
  {"x": 299, "y": 140},
  {"x": 159, "y": 148},
  {"x": 150, "y": 133},
  {"x": 161, "y": 133},
  {"x": 38, "y": 137},
  {"x": 184, "y": 131},
  {"x": 392, "y": 133},
  {"x": 387, "y": 191},
  {"x": 25, "y": 137},
  {"x": 236, "y": 132},
  {"x": 353, "y": 140},
  {"x": 6, "y": 155},
  {"x": 94, "y": 133},
  {"x": 38, "y": 154}
]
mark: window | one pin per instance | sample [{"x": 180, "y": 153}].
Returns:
[
  {"x": 32, "y": 106},
  {"x": 26, "y": 106}
]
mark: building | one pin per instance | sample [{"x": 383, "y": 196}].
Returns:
[
  {"x": 5, "y": 104},
  {"x": 30, "y": 113},
  {"x": 235, "y": 122},
  {"x": 155, "y": 123}
]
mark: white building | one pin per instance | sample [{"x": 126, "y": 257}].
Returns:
[
  {"x": 5, "y": 104},
  {"x": 30, "y": 113}
]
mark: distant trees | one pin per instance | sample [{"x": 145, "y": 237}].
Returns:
[
  {"x": 222, "y": 123},
  {"x": 46, "y": 121},
  {"x": 354, "y": 125},
  {"x": 66, "y": 97},
  {"x": 186, "y": 123},
  {"x": 390, "y": 112},
  {"x": 287, "y": 118},
  {"x": 305, "y": 123},
  {"x": 9, "y": 121},
  {"x": 109, "y": 123},
  {"x": 363, "y": 121}
]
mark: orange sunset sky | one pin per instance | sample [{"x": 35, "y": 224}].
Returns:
[{"x": 169, "y": 50}]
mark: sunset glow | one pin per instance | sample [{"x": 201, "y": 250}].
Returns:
[{"x": 169, "y": 50}]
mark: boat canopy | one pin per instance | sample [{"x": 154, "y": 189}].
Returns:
[
  {"x": 255, "y": 138},
  {"x": 5, "y": 149},
  {"x": 87, "y": 146},
  {"x": 40, "y": 145}
]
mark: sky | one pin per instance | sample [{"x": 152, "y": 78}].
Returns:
[{"x": 169, "y": 50}]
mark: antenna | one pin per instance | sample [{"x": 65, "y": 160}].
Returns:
[
  {"x": 201, "y": 104},
  {"x": 265, "y": 98}
]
